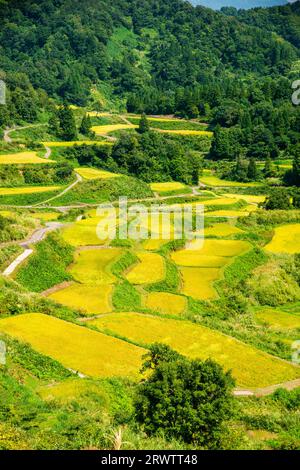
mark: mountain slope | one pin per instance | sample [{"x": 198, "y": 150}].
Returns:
[{"x": 67, "y": 46}]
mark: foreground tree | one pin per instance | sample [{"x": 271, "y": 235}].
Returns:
[
  {"x": 186, "y": 399},
  {"x": 292, "y": 177}
]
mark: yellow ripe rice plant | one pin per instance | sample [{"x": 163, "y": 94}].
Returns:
[
  {"x": 150, "y": 269},
  {"x": 154, "y": 245},
  {"x": 228, "y": 213},
  {"x": 277, "y": 319},
  {"x": 94, "y": 174},
  {"x": 76, "y": 347},
  {"x": 211, "y": 247},
  {"x": 85, "y": 233},
  {"x": 222, "y": 230},
  {"x": 166, "y": 187},
  {"x": 198, "y": 282},
  {"x": 285, "y": 240},
  {"x": 250, "y": 198},
  {"x": 23, "y": 158},
  {"x": 186, "y": 132},
  {"x": 89, "y": 300},
  {"x": 28, "y": 190},
  {"x": 93, "y": 266},
  {"x": 163, "y": 302},
  {"x": 103, "y": 130},
  {"x": 251, "y": 367}
]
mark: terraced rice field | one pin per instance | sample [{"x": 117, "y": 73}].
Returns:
[
  {"x": 285, "y": 240},
  {"x": 163, "y": 302},
  {"x": 94, "y": 174},
  {"x": 222, "y": 230},
  {"x": 167, "y": 187},
  {"x": 104, "y": 130},
  {"x": 251, "y": 199},
  {"x": 89, "y": 300},
  {"x": 76, "y": 347},
  {"x": 186, "y": 132},
  {"x": 28, "y": 190},
  {"x": 23, "y": 158},
  {"x": 75, "y": 142},
  {"x": 278, "y": 319},
  {"x": 92, "y": 266},
  {"x": 154, "y": 245},
  {"x": 251, "y": 368},
  {"x": 150, "y": 269},
  {"x": 198, "y": 282},
  {"x": 45, "y": 216},
  {"x": 200, "y": 268},
  {"x": 84, "y": 233},
  {"x": 228, "y": 213}
]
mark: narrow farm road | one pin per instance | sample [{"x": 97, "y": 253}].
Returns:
[
  {"x": 36, "y": 237},
  {"x": 8, "y": 139},
  {"x": 66, "y": 190}
]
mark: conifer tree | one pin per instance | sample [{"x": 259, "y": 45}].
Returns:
[
  {"x": 67, "y": 123},
  {"x": 144, "y": 124}
]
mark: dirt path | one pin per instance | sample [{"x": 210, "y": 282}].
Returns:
[
  {"x": 7, "y": 137},
  {"x": 35, "y": 238},
  {"x": 66, "y": 190},
  {"x": 56, "y": 288}
]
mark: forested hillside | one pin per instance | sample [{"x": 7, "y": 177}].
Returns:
[{"x": 65, "y": 47}]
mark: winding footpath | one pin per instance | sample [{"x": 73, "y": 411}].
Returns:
[{"x": 35, "y": 238}]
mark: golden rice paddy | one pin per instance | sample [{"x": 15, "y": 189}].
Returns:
[
  {"x": 278, "y": 319},
  {"x": 154, "y": 245},
  {"x": 103, "y": 130},
  {"x": 76, "y": 347},
  {"x": 166, "y": 187},
  {"x": 198, "y": 282},
  {"x": 45, "y": 216},
  {"x": 94, "y": 174},
  {"x": 22, "y": 158},
  {"x": 28, "y": 190},
  {"x": 186, "y": 132},
  {"x": 285, "y": 240},
  {"x": 85, "y": 233},
  {"x": 150, "y": 269},
  {"x": 163, "y": 302},
  {"x": 222, "y": 230},
  {"x": 211, "y": 247},
  {"x": 89, "y": 300},
  {"x": 251, "y": 368},
  {"x": 228, "y": 213},
  {"x": 251, "y": 199},
  {"x": 92, "y": 266}
]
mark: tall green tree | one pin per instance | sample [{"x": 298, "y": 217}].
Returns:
[
  {"x": 190, "y": 400},
  {"x": 252, "y": 173},
  {"x": 86, "y": 125},
  {"x": 67, "y": 124},
  {"x": 144, "y": 124}
]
